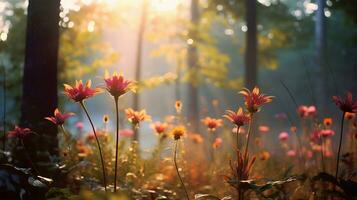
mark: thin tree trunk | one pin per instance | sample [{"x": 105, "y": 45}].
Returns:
[
  {"x": 39, "y": 97},
  {"x": 251, "y": 69},
  {"x": 192, "y": 61},
  {"x": 136, "y": 101}
]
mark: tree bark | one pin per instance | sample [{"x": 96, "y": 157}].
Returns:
[
  {"x": 192, "y": 61},
  {"x": 251, "y": 69},
  {"x": 39, "y": 94},
  {"x": 136, "y": 100}
]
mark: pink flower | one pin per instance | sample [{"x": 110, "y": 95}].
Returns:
[
  {"x": 263, "y": 129},
  {"x": 291, "y": 153},
  {"x": 19, "y": 132},
  {"x": 159, "y": 127},
  {"x": 79, "y": 125},
  {"x": 117, "y": 85},
  {"x": 327, "y": 132},
  {"x": 126, "y": 133},
  {"x": 254, "y": 99},
  {"x": 238, "y": 118},
  {"x": 283, "y": 136},
  {"x": 306, "y": 111},
  {"x": 80, "y": 92},
  {"x": 59, "y": 118},
  {"x": 347, "y": 104}
]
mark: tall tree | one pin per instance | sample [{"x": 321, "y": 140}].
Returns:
[
  {"x": 192, "y": 62},
  {"x": 251, "y": 44},
  {"x": 39, "y": 97}
]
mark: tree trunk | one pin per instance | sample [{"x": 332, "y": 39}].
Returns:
[
  {"x": 320, "y": 39},
  {"x": 251, "y": 44},
  {"x": 39, "y": 97},
  {"x": 192, "y": 61},
  {"x": 136, "y": 101}
]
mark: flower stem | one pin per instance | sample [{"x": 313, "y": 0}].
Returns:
[
  {"x": 340, "y": 144},
  {"x": 238, "y": 127},
  {"x": 177, "y": 170},
  {"x": 249, "y": 133},
  {"x": 116, "y": 144},
  {"x": 98, "y": 144},
  {"x": 66, "y": 137}
]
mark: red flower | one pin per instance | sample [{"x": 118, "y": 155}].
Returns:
[
  {"x": 283, "y": 136},
  {"x": 306, "y": 111},
  {"x": 239, "y": 118},
  {"x": 159, "y": 127},
  {"x": 217, "y": 143},
  {"x": 212, "y": 123},
  {"x": 327, "y": 132},
  {"x": 59, "y": 118},
  {"x": 80, "y": 92},
  {"x": 347, "y": 104},
  {"x": 254, "y": 99},
  {"x": 135, "y": 117},
  {"x": 117, "y": 85},
  {"x": 19, "y": 132}
]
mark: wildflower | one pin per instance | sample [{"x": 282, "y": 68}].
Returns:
[
  {"x": 135, "y": 117},
  {"x": 217, "y": 143},
  {"x": 291, "y": 153},
  {"x": 349, "y": 115},
  {"x": 327, "y": 133},
  {"x": 117, "y": 85},
  {"x": 126, "y": 132},
  {"x": 254, "y": 99},
  {"x": 59, "y": 118},
  {"x": 79, "y": 125},
  {"x": 178, "y": 132},
  {"x": 327, "y": 121},
  {"x": 80, "y": 92},
  {"x": 306, "y": 111},
  {"x": 283, "y": 136},
  {"x": 159, "y": 127},
  {"x": 196, "y": 138},
  {"x": 212, "y": 123},
  {"x": 265, "y": 155},
  {"x": 19, "y": 132},
  {"x": 263, "y": 129},
  {"x": 238, "y": 118},
  {"x": 105, "y": 119},
  {"x": 346, "y": 104},
  {"x": 178, "y": 106}
]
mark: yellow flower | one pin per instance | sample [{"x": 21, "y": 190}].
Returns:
[{"x": 178, "y": 132}]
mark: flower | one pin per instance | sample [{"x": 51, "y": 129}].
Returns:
[
  {"x": 217, "y": 143},
  {"x": 117, "y": 85},
  {"x": 126, "y": 132},
  {"x": 306, "y": 111},
  {"x": 59, "y": 118},
  {"x": 283, "y": 136},
  {"x": 265, "y": 155},
  {"x": 178, "y": 131},
  {"x": 349, "y": 115},
  {"x": 212, "y": 123},
  {"x": 291, "y": 153},
  {"x": 239, "y": 118},
  {"x": 178, "y": 106},
  {"x": 159, "y": 127},
  {"x": 346, "y": 104},
  {"x": 196, "y": 138},
  {"x": 105, "y": 119},
  {"x": 254, "y": 99},
  {"x": 19, "y": 132},
  {"x": 79, "y": 125},
  {"x": 263, "y": 129},
  {"x": 135, "y": 117},
  {"x": 327, "y": 121},
  {"x": 80, "y": 92},
  {"x": 326, "y": 132}
]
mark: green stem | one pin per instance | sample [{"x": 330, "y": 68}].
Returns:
[
  {"x": 116, "y": 144},
  {"x": 177, "y": 170},
  {"x": 98, "y": 144},
  {"x": 340, "y": 144}
]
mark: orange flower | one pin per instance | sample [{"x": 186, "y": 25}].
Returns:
[
  {"x": 117, "y": 85},
  {"x": 159, "y": 127},
  {"x": 19, "y": 132},
  {"x": 178, "y": 106},
  {"x": 349, "y": 115},
  {"x": 178, "y": 132},
  {"x": 346, "y": 104},
  {"x": 135, "y": 117},
  {"x": 263, "y": 129},
  {"x": 254, "y": 99},
  {"x": 80, "y": 92},
  {"x": 196, "y": 138},
  {"x": 239, "y": 118},
  {"x": 59, "y": 118},
  {"x": 327, "y": 121},
  {"x": 265, "y": 155},
  {"x": 105, "y": 119},
  {"x": 212, "y": 123},
  {"x": 217, "y": 143}
]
